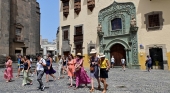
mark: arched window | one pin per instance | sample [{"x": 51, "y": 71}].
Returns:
[{"x": 116, "y": 24}]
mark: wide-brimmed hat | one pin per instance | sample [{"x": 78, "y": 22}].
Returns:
[
  {"x": 101, "y": 55},
  {"x": 93, "y": 51},
  {"x": 79, "y": 54}
]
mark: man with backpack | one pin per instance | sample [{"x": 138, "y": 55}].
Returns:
[{"x": 40, "y": 67}]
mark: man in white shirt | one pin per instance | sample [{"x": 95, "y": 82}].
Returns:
[
  {"x": 112, "y": 61},
  {"x": 123, "y": 63},
  {"x": 40, "y": 71}
]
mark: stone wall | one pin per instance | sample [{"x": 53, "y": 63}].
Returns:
[
  {"x": 25, "y": 13},
  {"x": 4, "y": 26},
  {"x": 28, "y": 16}
]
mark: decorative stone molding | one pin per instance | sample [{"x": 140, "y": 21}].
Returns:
[
  {"x": 90, "y": 46},
  {"x": 134, "y": 29},
  {"x": 100, "y": 34},
  {"x": 125, "y": 11},
  {"x": 18, "y": 37}
]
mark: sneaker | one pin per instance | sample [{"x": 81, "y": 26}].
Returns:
[
  {"x": 38, "y": 88},
  {"x": 32, "y": 75},
  {"x": 43, "y": 88}
]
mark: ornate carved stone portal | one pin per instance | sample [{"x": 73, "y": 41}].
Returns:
[{"x": 118, "y": 22}]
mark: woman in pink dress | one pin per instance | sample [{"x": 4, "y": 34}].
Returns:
[
  {"x": 81, "y": 76},
  {"x": 8, "y": 71},
  {"x": 71, "y": 68}
]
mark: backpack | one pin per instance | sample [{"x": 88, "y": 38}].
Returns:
[{"x": 45, "y": 67}]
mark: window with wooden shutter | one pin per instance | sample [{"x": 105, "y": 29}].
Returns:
[
  {"x": 78, "y": 37},
  {"x": 154, "y": 20},
  {"x": 66, "y": 35},
  {"x": 79, "y": 30},
  {"x": 79, "y": 48}
]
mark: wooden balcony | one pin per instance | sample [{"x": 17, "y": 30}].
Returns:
[
  {"x": 77, "y": 7},
  {"x": 65, "y": 10},
  {"x": 91, "y": 4},
  {"x": 78, "y": 38},
  {"x": 65, "y": 0}
]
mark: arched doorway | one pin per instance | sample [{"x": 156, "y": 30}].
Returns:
[{"x": 118, "y": 51}]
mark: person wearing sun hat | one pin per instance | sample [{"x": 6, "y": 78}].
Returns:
[
  {"x": 94, "y": 69},
  {"x": 81, "y": 76},
  {"x": 104, "y": 68}
]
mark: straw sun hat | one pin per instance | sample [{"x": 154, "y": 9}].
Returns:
[
  {"x": 101, "y": 55},
  {"x": 79, "y": 54},
  {"x": 93, "y": 51}
]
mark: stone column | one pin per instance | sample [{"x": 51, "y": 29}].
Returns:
[
  {"x": 108, "y": 53},
  {"x": 24, "y": 50},
  {"x": 44, "y": 52}
]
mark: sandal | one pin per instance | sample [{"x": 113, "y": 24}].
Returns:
[
  {"x": 85, "y": 86},
  {"x": 75, "y": 88},
  {"x": 70, "y": 85},
  {"x": 99, "y": 87},
  {"x": 55, "y": 79},
  {"x": 92, "y": 90}
]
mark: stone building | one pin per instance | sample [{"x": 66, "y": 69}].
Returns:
[
  {"x": 19, "y": 27},
  {"x": 57, "y": 41},
  {"x": 129, "y": 29},
  {"x": 48, "y": 47}
]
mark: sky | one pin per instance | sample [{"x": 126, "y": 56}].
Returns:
[{"x": 49, "y": 18}]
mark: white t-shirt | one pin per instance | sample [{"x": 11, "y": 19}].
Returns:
[
  {"x": 112, "y": 59},
  {"x": 40, "y": 66},
  {"x": 123, "y": 61},
  {"x": 30, "y": 61}
]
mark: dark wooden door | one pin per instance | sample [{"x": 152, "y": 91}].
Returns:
[
  {"x": 118, "y": 52},
  {"x": 78, "y": 48},
  {"x": 66, "y": 53},
  {"x": 156, "y": 55}
]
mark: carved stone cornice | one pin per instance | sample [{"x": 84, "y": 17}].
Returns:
[{"x": 127, "y": 7}]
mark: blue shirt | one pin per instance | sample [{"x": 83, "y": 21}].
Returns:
[
  {"x": 149, "y": 60},
  {"x": 19, "y": 61}
]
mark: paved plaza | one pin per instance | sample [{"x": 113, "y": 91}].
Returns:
[{"x": 130, "y": 81}]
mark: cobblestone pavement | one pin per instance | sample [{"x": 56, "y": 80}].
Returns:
[{"x": 130, "y": 81}]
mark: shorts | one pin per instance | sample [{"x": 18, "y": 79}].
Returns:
[
  {"x": 103, "y": 73},
  {"x": 149, "y": 65},
  {"x": 21, "y": 66},
  {"x": 112, "y": 62}
]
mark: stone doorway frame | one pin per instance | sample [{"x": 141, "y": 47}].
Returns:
[{"x": 164, "y": 52}]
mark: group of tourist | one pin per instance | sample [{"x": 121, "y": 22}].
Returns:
[
  {"x": 76, "y": 70},
  {"x": 99, "y": 68},
  {"x": 72, "y": 65}
]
